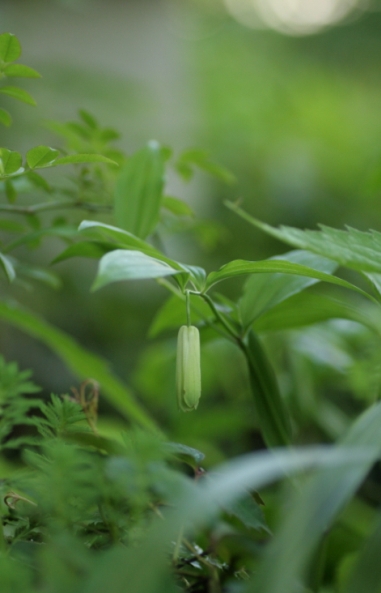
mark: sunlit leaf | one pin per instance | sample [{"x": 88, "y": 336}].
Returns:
[
  {"x": 21, "y": 71},
  {"x": 41, "y": 156},
  {"x": 75, "y": 159},
  {"x": 10, "y": 161},
  {"x": 19, "y": 94},
  {"x": 123, "y": 264},
  {"x": 10, "y": 48}
]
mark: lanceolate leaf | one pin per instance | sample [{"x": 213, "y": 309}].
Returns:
[
  {"x": 17, "y": 93},
  {"x": 7, "y": 267},
  {"x": 80, "y": 361},
  {"x": 21, "y": 71},
  {"x": 314, "y": 508},
  {"x": 75, "y": 159},
  {"x": 123, "y": 264},
  {"x": 93, "y": 249},
  {"x": 240, "y": 267},
  {"x": 139, "y": 191},
  {"x": 273, "y": 418},
  {"x": 261, "y": 293},
  {"x": 354, "y": 249}
]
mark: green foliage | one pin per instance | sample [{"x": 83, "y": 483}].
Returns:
[{"x": 91, "y": 506}]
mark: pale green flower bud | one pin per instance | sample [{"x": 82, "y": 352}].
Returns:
[{"x": 188, "y": 368}]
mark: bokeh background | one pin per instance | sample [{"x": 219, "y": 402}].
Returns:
[{"x": 286, "y": 94}]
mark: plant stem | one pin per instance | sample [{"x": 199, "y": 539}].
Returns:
[{"x": 220, "y": 318}]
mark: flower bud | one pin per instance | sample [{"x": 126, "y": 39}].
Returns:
[{"x": 188, "y": 368}]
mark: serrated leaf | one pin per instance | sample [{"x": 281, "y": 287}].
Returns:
[
  {"x": 239, "y": 267},
  {"x": 8, "y": 268},
  {"x": 353, "y": 249},
  {"x": 41, "y": 156},
  {"x": 10, "y": 48},
  {"x": 261, "y": 293},
  {"x": 122, "y": 264},
  {"x": 75, "y": 159},
  {"x": 10, "y": 162},
  {"x": 21, "y": 71},
  {"x": 19, "y": 94},
  {"x": 5, "y": 117},
  {"x": 138, "y": 192}
]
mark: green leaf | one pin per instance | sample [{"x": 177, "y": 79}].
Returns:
[
  {"x": 186, "y": 454},
  {"x": 99, "y": 230},
  {"x": 93, "y": 249},
  {"x": 247, "y": 510},
  {"x": 81, "y": 362},
  {"x": 261, "y": 293},
  {"x": 8, "y": 268},
  {"x": 308, "y": 308},
  {"x": 19, "y": 94},
  {"x": 75, "y": 159},
  {"x": 138, "y": 192},
  {"x": 177, "y": 207},
  {"x": 10, "y": 191},
  {"x": 240, "y": 266},
  {"x": 41, "y": 156},
  {"x": 21, "y": 71},
  {"x": 5, "y": 117},
  {"x": 273, "y": 419},
  {"x": 89, "y": 120},
  {"x": 366, "y": 575},
  {"x": 122, "y": 264},
  {"x": 314, "y": 508},
  {"x": 353, "y": 249},
  {"x": 173, "y": 314},
  {"x": 10, "y": 162},
  {"x": 199, "y": 158},
  {"x": 10, "y": 48}
]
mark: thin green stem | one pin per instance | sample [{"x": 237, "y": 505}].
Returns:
[{"x": 220, "y": 318}]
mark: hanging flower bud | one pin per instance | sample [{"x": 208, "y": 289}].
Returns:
[{"x": 188, "y": 368}]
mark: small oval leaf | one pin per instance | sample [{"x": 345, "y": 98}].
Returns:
[
  {"x": 10, "y": 48},
  {"x": 41, "y": 156},
  {"x": 10, "y": 162},
  {"x": 5, "y": 118}
]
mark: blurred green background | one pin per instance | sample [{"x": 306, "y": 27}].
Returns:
[{"x": 284, "y": 93}]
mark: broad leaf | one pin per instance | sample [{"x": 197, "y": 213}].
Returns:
[
  {"x": 308, "y": 308},
  {"x": 99, "y": 230},
  {"x": 240, "y": 267},
  {"x": 262, "y": 293},
  {"x": 354, "y": 249},
  {"x": 41, "y": 156},
  {"x": 21, "y": 71},
  {"x": 247, "y": 510},
  {"x": 10, "y": 162},
  {"x": 17, "y": 93},
  {"x": 123, "y": 264},
  {"x": 5, "y": 117},
  {"x": 81, "y": 362},
  {"x": 10, "y": 48},
  {"x": 139, "y": 191}
]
